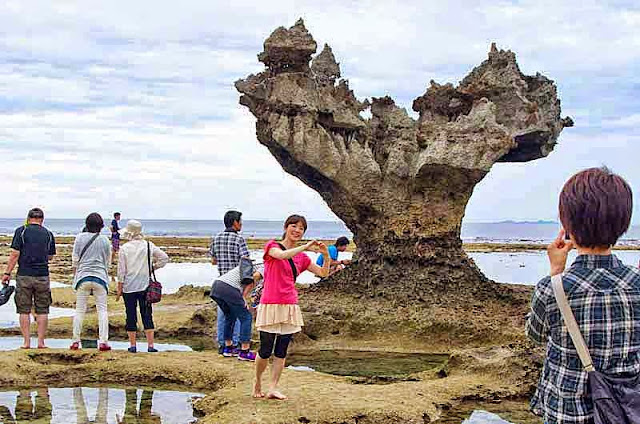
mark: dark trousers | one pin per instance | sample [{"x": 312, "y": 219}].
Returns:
[
  {"x": 276, "y": 343},
  {"x": 146, "y": 311},
  {"x": 234, "y": 308}
]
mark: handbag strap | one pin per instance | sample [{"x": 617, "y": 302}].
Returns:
[
  {"x": 86, "y": 246},
  {"x": 570, "y": 321},
  {"x": 291, "y": 263},
  {"x": 151, "y": 271}
]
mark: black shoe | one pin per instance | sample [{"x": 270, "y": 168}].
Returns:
[
  {"x": 221, "y": 349},
  {"x": 152, "y": 350},
  {"x": 132, "y": 349}
]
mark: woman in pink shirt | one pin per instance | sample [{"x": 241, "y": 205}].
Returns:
[{"x": 279, "y": 315}]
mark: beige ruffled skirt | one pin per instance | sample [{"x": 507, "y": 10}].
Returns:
[{"x": 279, "y": 319}]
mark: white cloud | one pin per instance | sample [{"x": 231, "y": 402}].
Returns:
[
  {"x": 131, "y": 104},
  {"x": 630, "y": 121}
]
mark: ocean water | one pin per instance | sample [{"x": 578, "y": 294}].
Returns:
[{"x": 500, "y": 232}]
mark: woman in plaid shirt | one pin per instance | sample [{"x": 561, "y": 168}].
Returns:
[{"x": 604, "y": 294}]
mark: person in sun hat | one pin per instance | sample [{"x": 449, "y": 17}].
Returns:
[{"x": 133, "y": 280}]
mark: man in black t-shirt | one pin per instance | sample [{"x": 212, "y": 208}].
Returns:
[{"x": 31, "y": 248}]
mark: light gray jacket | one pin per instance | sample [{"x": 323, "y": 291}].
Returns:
[{"x": 95, "y": 261}]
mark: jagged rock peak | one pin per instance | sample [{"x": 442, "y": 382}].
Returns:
[
  {"x": 325, "y": 67},
  {"x": 288, "y": 50}
]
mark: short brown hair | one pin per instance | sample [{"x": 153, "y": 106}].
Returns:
[
  {"x": 595, "y": 207},
  {"x": 294, "y": 219},
  {"x": 94, "y": 222}
]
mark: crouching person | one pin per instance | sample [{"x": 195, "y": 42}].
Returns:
[{"x": 230, "y": 292}]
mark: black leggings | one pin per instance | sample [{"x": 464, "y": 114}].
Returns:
[
  {"x": 146, "y": 310},
  {"x": 269, "y": 340}
]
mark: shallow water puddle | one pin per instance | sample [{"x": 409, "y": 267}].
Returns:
[
  {"x": 505, "y": 412},
  {"x": 365, "y": 363},
  {"x": 84, "y": 405},
  {"x": 12, "y": 343},
  {"x": 9, "y": 317},
  {"x": 530, "y": 266}
]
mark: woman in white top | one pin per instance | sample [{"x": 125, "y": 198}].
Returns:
[
  {"x": 133, "y": 280},
  {"x": 91, "y": 259}
]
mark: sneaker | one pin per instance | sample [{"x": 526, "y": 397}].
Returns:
[
  {"x": 246, "y": 355},
  {"x": 103, "y": 347},
  {"x": 152, "y": 350},
  {"x": 221, "y": 349},
  {"x": 230, "y": 351},
  {"x": 132, "y": 349},
  {"x": 75, "y": 346}
]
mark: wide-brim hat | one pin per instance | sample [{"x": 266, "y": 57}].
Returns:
[{"x": 133, "y": 228}]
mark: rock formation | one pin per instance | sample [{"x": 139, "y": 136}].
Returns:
[{"x": 400, "y": 185}]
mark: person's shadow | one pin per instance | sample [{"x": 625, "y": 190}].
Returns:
[{"x": 133, "y": 415}]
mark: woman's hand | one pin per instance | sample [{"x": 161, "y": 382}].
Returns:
[
  {"x": 322, "y": 248},
  {"x": 119, "y": 291},
  {"x": 557, "y": 252},
  {"x": 312, "y": 246}
]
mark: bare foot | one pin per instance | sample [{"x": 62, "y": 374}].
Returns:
[
  {"x": 276, "y": 395},
  {"x": 42, "y": 347},
  {"x": 257, "y": 391},
  {"x": 25, "y": 347}
]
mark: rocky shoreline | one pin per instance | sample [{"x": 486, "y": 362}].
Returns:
[{"x": 489, "y": 358}]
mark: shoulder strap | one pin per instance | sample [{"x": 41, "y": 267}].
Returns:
[
  {"x": 151, "y": 271},
  {"x": 291, "y": 263},
  {"x": 86, "y": 246},
  {"x": 570, "y": 321}
]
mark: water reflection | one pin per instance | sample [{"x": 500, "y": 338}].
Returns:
[
  {"x": 81, "y": 405},
  {"x": 14, "y": 342}
]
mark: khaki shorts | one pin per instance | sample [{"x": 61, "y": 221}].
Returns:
[{"x": 30, "y": 291}]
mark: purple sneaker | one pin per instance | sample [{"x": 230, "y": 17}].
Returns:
[
  {"x": 230, "y": 351},
  {"x": 246, "y": 355}
]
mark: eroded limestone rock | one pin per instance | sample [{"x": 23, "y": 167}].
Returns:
[{"x": 401, "y": 185}]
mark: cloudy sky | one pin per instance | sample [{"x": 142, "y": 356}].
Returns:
[{"x": 131, "y": 106}]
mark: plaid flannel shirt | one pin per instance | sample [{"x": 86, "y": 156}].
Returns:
[
  {"x": 604, "y": 295},
  {"x": 228, "y": 247}
]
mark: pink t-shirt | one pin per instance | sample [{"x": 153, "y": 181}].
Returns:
[{"x": 279, "y": 287}]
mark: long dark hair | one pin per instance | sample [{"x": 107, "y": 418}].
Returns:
[{"x": 294, "y": 219}]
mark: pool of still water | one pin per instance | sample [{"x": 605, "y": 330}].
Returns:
[
  {"x": 101, "y": 405},
  {"x": 365, "y": 363}
]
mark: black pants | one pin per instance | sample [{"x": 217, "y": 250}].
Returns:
[
  {"x": 276, "y": 343},
  {"x": 146, "y": 312}
]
